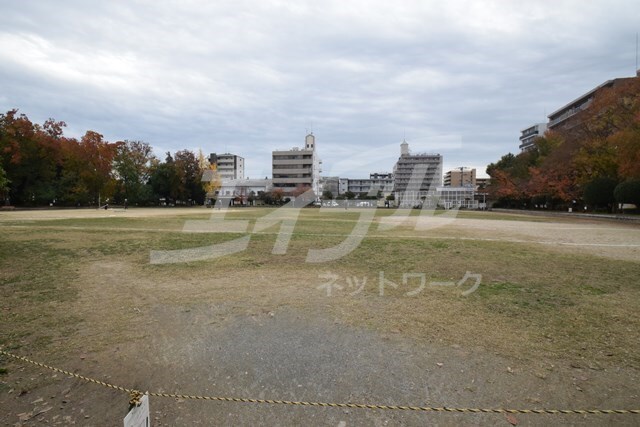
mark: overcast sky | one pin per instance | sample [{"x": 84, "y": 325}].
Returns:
[{"x": 248, "y": 77}]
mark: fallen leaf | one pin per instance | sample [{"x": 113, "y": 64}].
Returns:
[
  {"x": 25, "y": 416},
  {"x": 511, "y": 419}
]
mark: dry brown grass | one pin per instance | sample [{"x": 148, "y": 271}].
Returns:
[{"x": 83, "y": 280}]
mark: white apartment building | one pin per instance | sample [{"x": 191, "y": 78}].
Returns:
[
  {"x": 529, "y": 135},
  {"x": 376, "y": 182}
]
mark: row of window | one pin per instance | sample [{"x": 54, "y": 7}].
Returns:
[
  {"x": 291, "y": 166},
  {"x": 292, "y": 157}
]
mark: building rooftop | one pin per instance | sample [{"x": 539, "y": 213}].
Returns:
[{"x": 583, "y": 98}]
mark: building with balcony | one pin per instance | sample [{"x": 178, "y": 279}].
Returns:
[
  {"x": 482, "y": 183},
  {"x": 297, "y": 168},
  {"x": 229, "y": 166},
  {"x": 529, "y": 135},
  {"x": 416, "y": 177},
  {"x": 343, "y": 185},
  {"x": 567, "y": 118},
  {"x": 370, "y": 186}
]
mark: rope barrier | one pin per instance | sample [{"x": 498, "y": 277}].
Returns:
[{"x": 136, "y": 395}]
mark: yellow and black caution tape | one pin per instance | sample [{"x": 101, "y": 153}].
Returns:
[{"x": 135, "y": 396}]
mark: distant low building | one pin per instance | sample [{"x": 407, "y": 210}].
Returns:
[
  {"x": 376, "y": 182},
  {"x": 240, "y": 191},
  {"x": 457, "y": 197}
]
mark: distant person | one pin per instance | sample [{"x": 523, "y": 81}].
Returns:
[{"x": 125, "y": 204}]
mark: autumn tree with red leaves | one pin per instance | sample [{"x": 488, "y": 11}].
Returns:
[
  {"x": 603, "y": 142},
  {"x": 40, "y": 166},
  {"x": 30, "y": 154}
]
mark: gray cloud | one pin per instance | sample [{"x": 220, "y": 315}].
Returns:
[{"x": 253, "y": 76}]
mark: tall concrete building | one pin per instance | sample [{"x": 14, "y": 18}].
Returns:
[
  {"x": 416, "y": 177},
  {"x": 460, "y": 177},
  {"x": 229, "y": 166},
  {"x": 297, "y": 168},
  {"x": 529, "y": 135}
]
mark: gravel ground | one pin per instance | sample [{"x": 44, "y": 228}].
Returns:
[{"x": 294, "y": 355}]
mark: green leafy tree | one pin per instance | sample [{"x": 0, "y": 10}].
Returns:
[
  {"x": 628, "y": 192},
  {"x": 132, "y": 166},
  {"x": 190, "y": 175},
  {"x": 164, "y": 180},
  {"x": 599, "y": 192},
  {"x": 4, "y": 185}
]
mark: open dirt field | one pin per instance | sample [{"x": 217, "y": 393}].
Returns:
[{"x": 554, "y": 322}]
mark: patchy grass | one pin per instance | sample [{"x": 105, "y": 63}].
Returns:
[
  {"x": 35, "y": 284},
  {"x": 82, "y": 282}
]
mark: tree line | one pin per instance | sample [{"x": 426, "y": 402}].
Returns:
[
  {"x": 39, "y": 165},
  {"x": 595, "y": 162}
]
